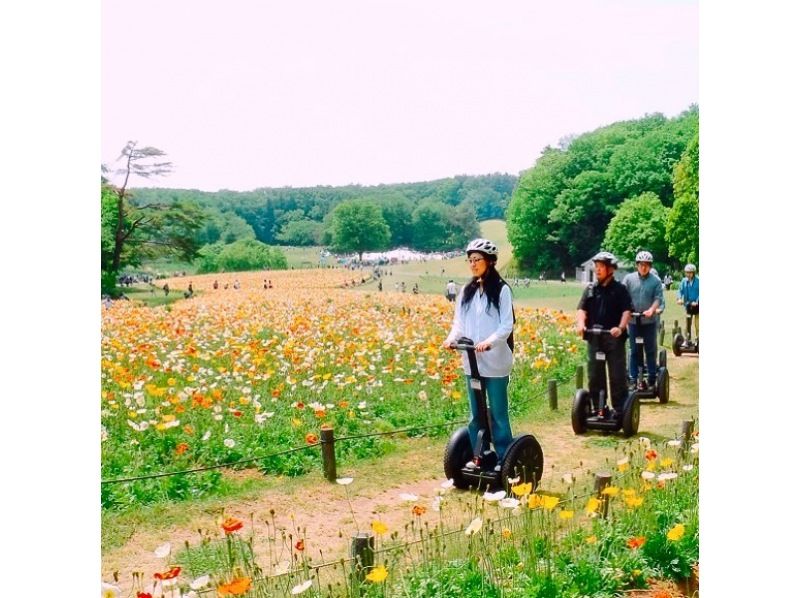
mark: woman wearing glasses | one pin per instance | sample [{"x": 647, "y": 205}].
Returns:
[{"x": 484, "y": 314}]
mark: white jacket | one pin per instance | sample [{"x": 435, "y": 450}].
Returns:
[{"x": 482, "y": 323}]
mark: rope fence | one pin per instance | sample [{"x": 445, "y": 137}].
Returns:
[{"x": 327, "y": 442}]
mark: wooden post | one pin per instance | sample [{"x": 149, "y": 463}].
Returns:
[
  {"x": 552, "y": 390},
  {"x": 362, "y": 549},
  {"x": 579, "y": 377},
  {"x": 661, "y": 332},
  {"x": 601, "y": 480},
  {"x": 328, "y": 453},
  {"x": 686, "y": 431}
]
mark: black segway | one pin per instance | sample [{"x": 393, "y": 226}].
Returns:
[
  {"x": 594, "y": 413},
  {"x": 660, "y": 390},
  {"x": 679, "y": 345},
  {"x": 470, "y": 466}
]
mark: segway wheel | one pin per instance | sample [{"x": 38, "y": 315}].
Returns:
[
  {"x": 662, "y": 358},
  {"x": 456, "y": 454},
  {"x": 581, "y": 409},
  {"x": 662, "y": 385},
  {"x": 630, "y": 418},
  {"x": 676, "y": 345},
  {"x": 524, "y": 460}
]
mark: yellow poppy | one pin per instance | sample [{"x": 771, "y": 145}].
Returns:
[{"x": 378, "y": 574}]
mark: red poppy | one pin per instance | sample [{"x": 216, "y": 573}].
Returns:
[
  {"x": 144, "y": 595},
  {"x": 311, "y": 438},
  {"x": 171, "y": 574},
  {"x": 231, "y": 524},
  {"x": 300, "y": 545},
  {"x": 650, "y": 455}
]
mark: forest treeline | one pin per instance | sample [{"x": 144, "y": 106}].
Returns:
[{"x": 428, "y": 216}]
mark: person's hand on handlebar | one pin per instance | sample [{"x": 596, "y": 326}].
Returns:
[
  {"x": 616, "y": 331},
  {"x": 648, "y": 313},
  {"x": 483, "y": 346},
  {"x": 581, "y": 328},
  {"x": 448, "y": 345}
]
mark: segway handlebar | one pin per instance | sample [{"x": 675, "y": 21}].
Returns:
[
  {"x": 595, "y": 331},
  {"x": 465, "y": 344}
]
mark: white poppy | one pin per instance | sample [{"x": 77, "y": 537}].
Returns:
[
  {"x": 200, "y": 582},
  {"x": 344, "y": 481},
  {"x": 674, "y": 443},
  {"x": 688, "y": 467},
  {"x": 494, "y": 496},
  {"x": 513, "y": 481},
  {"x": 474, "y": 526},
  {"x": 648, "y": 475},
  {"x": 163, "y": 550},
  {"x": 229, "y": 442},
  {"x": 695, "y": 448},
  {"x": 108, "y": 590},
  {"x": 645, "y": 442},
  {"x": 509, "y": 503},
  {"x": 671, "y": 475},
  {"x": 300, "y": 588},
  {"x": 206, "y": 436}
]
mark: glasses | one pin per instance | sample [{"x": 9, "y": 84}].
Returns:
[{"x": 475, "y": 260}]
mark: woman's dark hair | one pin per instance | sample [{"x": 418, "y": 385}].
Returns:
[{"x": 492, "y": 284}]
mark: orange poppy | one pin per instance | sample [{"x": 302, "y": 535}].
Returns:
[
  {"x": 181, "y": 448},
  {"x": 651, "y": 455},
  {"x": 418, "y": 510},
  {"x": 636, "y": 542},
  {"x": 311, "y": 438},
  {"x": 231, "y": 524},
  {"x": 300, "y": 545},
  {"x": 171, "y": 574},
  {"x": 236, "y": 587}
]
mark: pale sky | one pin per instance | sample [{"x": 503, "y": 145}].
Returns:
[{"x": 246, "y": 94}]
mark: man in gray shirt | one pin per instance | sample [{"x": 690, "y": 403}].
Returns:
[{"x": 648, "y": 297}]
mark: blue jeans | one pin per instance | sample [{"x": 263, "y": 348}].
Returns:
[
  {"x": 497, "y": 391},
  {"x": 648, "y": 332}
]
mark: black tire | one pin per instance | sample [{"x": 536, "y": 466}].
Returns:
[
  {"x": 662, "y": 385},
  {"x": 630, "y": 418},
  {"x": 676, "y": 344},
  {"x": 524, "y": 459},
  {"x": 581, "y": 409},
  {"x": 662, "y": 358},
  {"x": 697, "y": 347},
  {"x": 457, "y": 452}
]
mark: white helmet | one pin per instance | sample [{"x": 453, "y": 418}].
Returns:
[
  {"x": 482, "y": 245},
  {"x": 644, "y": 256},
  {"x": 690, "y": 268},
  {"x": 607, "y": 257}
]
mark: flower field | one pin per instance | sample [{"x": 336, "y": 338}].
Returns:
[
  {"x": 232, "y": 375},
  {"x": 576, "y": 540}
]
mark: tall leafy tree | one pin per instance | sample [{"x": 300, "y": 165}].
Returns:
[
  {"x": 683, "y": 222},
  {"x": 358, "y": 226},
  {"x": 639, "y": 224},
  {"x": 136, "y": 231}
]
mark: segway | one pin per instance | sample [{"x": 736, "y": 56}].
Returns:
[
  {"x": 593, "y": 413},
  {"x": 478, "y": 466},
  {"x": 660, "y": 390},
  {"x": 679, "y": 346}
]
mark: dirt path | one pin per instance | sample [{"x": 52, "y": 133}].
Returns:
[{"x": 321, "y": 512}]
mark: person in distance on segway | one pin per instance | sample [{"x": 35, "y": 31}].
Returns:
[
  {"x": 484, "y": 313},
  {"x": 647, "y": 296},
  {"x": 606, "y": 303},
  {"x": 689, "y": 297}
]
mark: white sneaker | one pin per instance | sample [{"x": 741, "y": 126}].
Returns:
[
  {"x": 497, "y": 468},
  {"x": 471, "y": 465}
]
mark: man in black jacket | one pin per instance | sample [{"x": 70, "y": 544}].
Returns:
[{"x": 606, "y": 303}]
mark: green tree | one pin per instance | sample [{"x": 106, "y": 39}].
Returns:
[
  {"x": 358, "y": 225},
  {"x": 137, "y": 231},
  {"x": 240, "y": 256},
  {"x": 683, "y": 222},
  {"x": 639, "y": 224},
  {"x": 302, "y": 231}
]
